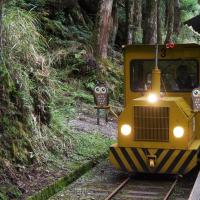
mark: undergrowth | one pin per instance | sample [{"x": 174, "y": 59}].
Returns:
[
  {"x": 44, "y": 82},
  {"x": 47, "y": 70}
]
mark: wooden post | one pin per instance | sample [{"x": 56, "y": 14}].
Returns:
[
  {"x": 106, "y": 110},
  {"x": 98, "y": 116}
]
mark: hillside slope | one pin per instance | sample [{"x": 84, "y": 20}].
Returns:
[{"x": 47, "y": 72}]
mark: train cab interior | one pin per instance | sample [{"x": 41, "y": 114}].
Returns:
[{"x": 177, "y": 75}]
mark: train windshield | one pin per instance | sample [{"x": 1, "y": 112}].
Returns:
[{"x": 177, "y": 75}]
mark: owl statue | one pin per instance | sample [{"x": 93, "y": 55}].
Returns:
[
  {"x": 196, "y": 99},
  {"x": 101, "y": 96}
]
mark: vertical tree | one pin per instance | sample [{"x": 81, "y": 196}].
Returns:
[
  {"x": 159, "y": 30},
  {"x": 129, "y": 6},
  {"x": 170, "y": 21},
  {"x": 137, "y": 19},
  {"x": 177, "y": 18},
  {"x": 2, "y": 90},
  {"x": 114, "y": 22},
  {"x": 150, "y": 24},
  {"x": 1, "y": 24},
  {"x": 102, "y": 29}
]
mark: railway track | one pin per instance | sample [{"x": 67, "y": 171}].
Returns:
[
  {"x": 105, "y": 183},
  {"x": 143, "y": 194}
]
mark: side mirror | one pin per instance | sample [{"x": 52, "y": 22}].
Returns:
[{"x": 196, "y": 99}]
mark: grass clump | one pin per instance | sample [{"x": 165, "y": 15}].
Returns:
[{"x": 88, "y": 147}]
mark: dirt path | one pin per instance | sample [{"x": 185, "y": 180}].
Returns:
[{"x": 86, "y": 122}]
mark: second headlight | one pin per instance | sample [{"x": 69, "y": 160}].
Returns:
[
  {"x": 178, "y": 132},
  {"x": 125, "y": 129}
]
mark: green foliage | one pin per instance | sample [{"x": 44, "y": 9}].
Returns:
[
  {"x": 72, "y": 59},
  {"x": 21, "y": 51},
  {"x": 187, "y": 36},
  {"x": 54, "y": 27},
  {"x": 34, "y": 133},
  {"x": 23, "y": 39},
  {"x": 3, "y": 197},
  {"x": 9, "y": 191},
  {"x": 112, "y": 74},
  {"x": 89, "y": 146},
  {"x": 189, "y": 8},
  {"x": 31, "y": 4}
]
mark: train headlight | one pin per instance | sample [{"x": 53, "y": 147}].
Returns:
[
  {"x": 178, "y": 132},
  {"x": 152, "y": 98},
  {"x": 126, "y": 129}
]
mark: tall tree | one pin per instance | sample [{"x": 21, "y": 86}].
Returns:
[
  {"x": 177, "y": 18},
  {"x": 102, "y": 29},
  {"x": 159, "y": 30},
  {"x": 2, "y": 88},
  {"x": 170, "y": 21},
  {"x": 129, "y": 6},
  {"x": 150, "y": 24},
  {"x": 1, "y": 25},
  {"x": 114, "y": 22},
  {"x": 137, "y": 19}
]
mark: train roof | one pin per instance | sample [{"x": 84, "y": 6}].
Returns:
[{"x": 137, "y": 46}]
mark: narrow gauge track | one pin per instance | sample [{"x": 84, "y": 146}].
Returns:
[
  {"x": 146, "y": 195},
  {"x": 98, "y": 183}
]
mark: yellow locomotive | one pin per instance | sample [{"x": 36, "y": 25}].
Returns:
[{"x": 159, "y": 129}]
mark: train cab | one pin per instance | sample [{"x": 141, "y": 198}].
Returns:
[{"x": 159, "y": 128}]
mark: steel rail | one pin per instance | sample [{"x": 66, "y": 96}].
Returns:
[
  {"x": 171, "y": 189},
  {"x": 118, "y": 189}
]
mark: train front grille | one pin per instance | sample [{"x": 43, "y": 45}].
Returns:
[{"x": 151, "y": 123}]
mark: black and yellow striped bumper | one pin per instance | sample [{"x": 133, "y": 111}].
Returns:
[{"x": 169, "y": 161}]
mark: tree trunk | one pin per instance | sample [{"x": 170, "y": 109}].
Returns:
[
  {"x": 1, "y": 26},
  {"x": 2, "y": 87},
  {"x": 150, "y": 24},
  {"x": 137, "y": 19},
  {"x": 177, "y": 18},
  {"x": 114, "y": 23},
  {"x": 170, "y": 23},
  {"x": 159, "y": 31},
  {"x": 103, "y": 29},
  {"x": 166, "y": 13},
  {"x": 129, "y": 6}
]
